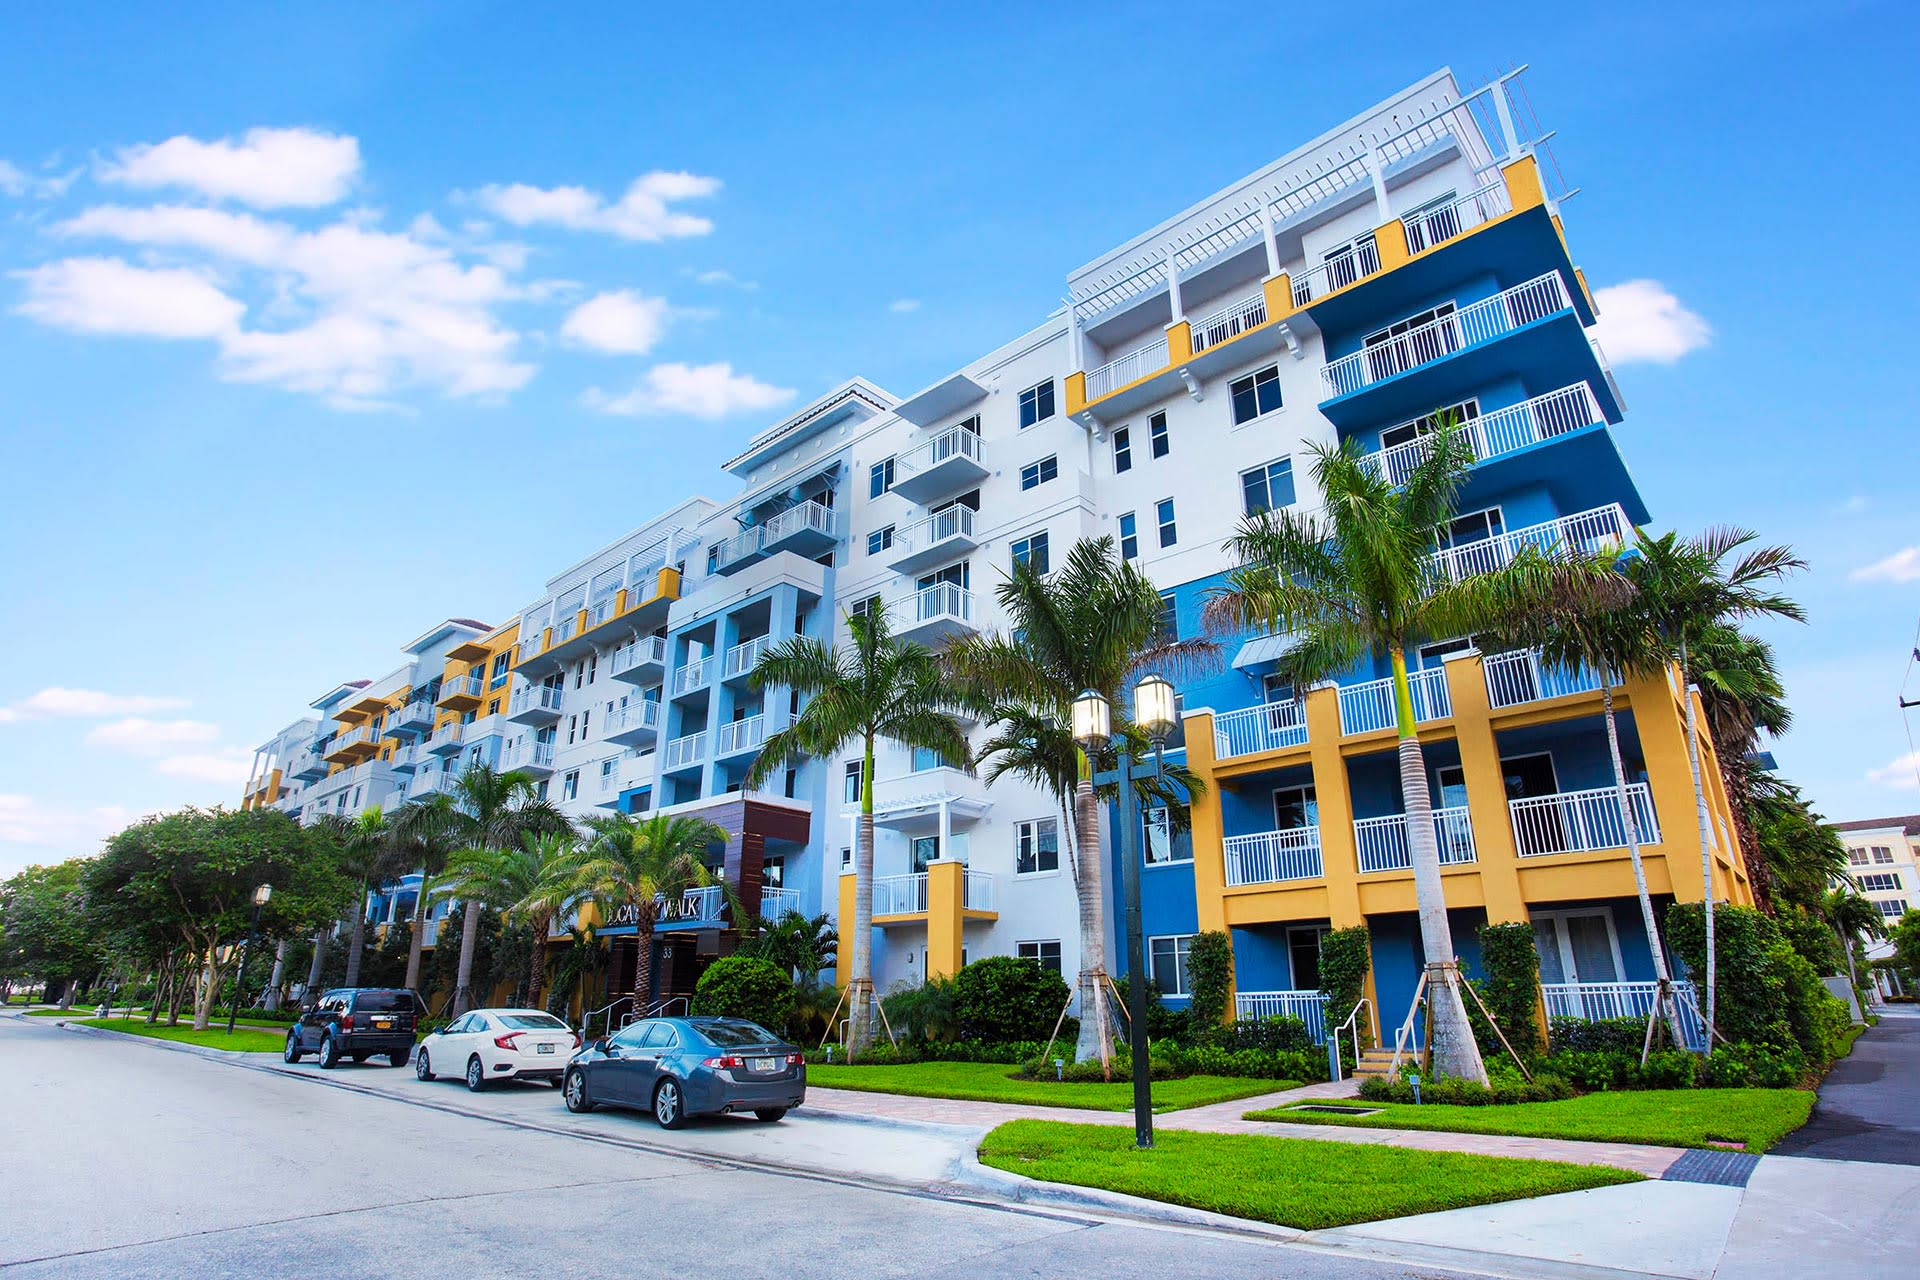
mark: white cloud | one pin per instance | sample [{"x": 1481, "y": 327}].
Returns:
[
  {"x": 56, "y": 701},
  {"x": 1641, "y": 321},
  {"x": 901, "y": 306},
  {"x": 228, "y": 766},
  {"x": 266, "y": 168},
  {"x": 719, "y": 277},
  {"x": 112, "y": 296},
  {"x": 1901, "y": 566},
  {"x": 15, "y": 181},
  {"x": 1901, "y": 773},
  {"x": 24, "y": 820},
  {"x": 146, "y": 737},
  {"x": 622, "y": 322},
  {"x": 643, "y": 213},
  {"x": 699, "y": 391}
]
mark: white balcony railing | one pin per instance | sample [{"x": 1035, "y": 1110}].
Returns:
[
  {"x": 468, "y": 686},
  {"x": 1308, "y": 1006},
  {"x": 1587, "y": 532},
  {"x": 1263, "y": 728},
  {"x": 1132, "y": 367},
  {"x": 742, "y": 658},
  {"x": 1272, "y": 857},
  {"x": 1581, "y": 821},
  {"x": 1438, "y": 223},
  {"x": 640, "y": 714},
  {"x": 775, "y": 903},
  {"x": 900, "y": 895},
  {"x": 1481, "y": 321},
  {"x": 954, "y": 442},
  {"x": 1367, "y": 707},
  {"x": 643, "y": 652},
  {"x": 1380, "y": 844},
  {"x": 1356, "y": 261},
  {"x": 534, "y": 755},
  {"x": 1498, "y": 433},
  {"x": 414, "y": 714},
  {"x": 1519, "y": 676},
  {"x": 546, "y": 697},
  {"x": 684, "y": 750},
  {"x": 801, "y": 518},
  {"x": 741, "y": 546},
  {"x": 940, "y": 601},
  {"x": 693, "y": 675},
  {"x": 955, "y": 521},
  {"x": 601, "y": 611},
  {"x": 1229, "y": 322},
  {"x": 447, "y": 735},
  {"x": 1599, "y": 1001},
  {"x": 740, "y": 735},
  {"x": 708, "y": 902},
  {"x": 976, "y": 891}
]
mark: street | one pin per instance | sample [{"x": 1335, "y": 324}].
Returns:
[{"x": 123, "y": 1158}]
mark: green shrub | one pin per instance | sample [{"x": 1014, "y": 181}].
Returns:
[
  {"x": 745, "y": 987},
  {"x": 1277, "y": 1033},
  {"x": 1812, "y": 938},
  {"x": 1005, "y": 998},
  {"x": 1210, "y": 974},
  {"x": 1754, "y": 1066},
  {"x": 1345, "y": 956},
  {"x": 1467, "y": 1093},
  {"x": 1768, "y": 993},
  {"x": 924, "y": 1014},
  {"x": 1510, "y": 989},
  {"x": 1606, "y": 1035}
]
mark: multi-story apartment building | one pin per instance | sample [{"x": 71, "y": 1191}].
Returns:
[
  {"x": 1883, "y": 861},
  {"x": 1409, "y": 263}
]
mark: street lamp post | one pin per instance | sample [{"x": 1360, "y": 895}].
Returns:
[
  {"x": 260, "y": 896},
  {"x": 1153, "y": 708}
]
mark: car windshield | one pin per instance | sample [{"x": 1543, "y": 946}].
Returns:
[
  {"x": 384, "y": 1002},
  {"x": 533, "y": 1021},
  {"x": 736, "y": 1035}
]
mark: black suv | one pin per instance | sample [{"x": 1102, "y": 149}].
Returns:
[{"x": 357, "y": 1023}]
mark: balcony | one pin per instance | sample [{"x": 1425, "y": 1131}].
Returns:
[
  {"x": 1229, "y": 322},
  {"x": 705, "y": 906},
  {"x": 415, "y": 718},
  {"x": 1270, "y": 727},
  {"x": 1380, "y": 844},
  {"x": 1498, "y": 434},
  {"x": 692, "y": 676},
  {"x": 640, "y": 661},
  {"x": 740, "y": 660},
  {"x": 430, "y": 782},
  {"x": 941, "y": 536},
  {"x": 900, "y": 895},
  {"x": 943, "y": 465},
  {"x": 1518, "y": 677},
  {"x": 406, "y": 759},
  {"x": 1308, "y": 1006},
  {"x": 1581, "y": 821},
  {"x": 350, "y": 746},
  {"x": 446, "y": 739},
  {"x": 807, "y": 529},
  {"x": 684, "y": 752},
  {"x": 736, "y": 736},
  {"x": 1143, "y": 362},
  {"x": 1273, "y": 857},
  {"x": 536, "y": 704},
  {"x": 462, "y": 693},
  {"x": 636, "y": 722},
  {"x": 1587, "y": 532},
  {"x": 933, "y": 613},
  {"x": 775, "y": 903},
  {"x": 535, "y": 758},
  {"x": 1601, "y": 1001},
  {"x": 1368, "y": 707},
  {"x": 308, "y": 766}
]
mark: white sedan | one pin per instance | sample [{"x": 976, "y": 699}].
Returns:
[{"x": 498, "y": 1044}]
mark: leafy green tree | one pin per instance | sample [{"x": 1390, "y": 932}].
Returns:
[
  {"x": 739, "y": 986},
  {"x": 531, "y": 884},
  {"x": 631, "y": 866},
  {"x": 878, "y": 687},
  {"x": 369, "y": 854},
  {"x": 46, "y": 931},
  {"x": 795, "y": 944},
  {"x": 425, "y": 831}
]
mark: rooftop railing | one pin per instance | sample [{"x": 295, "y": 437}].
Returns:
[
  {"x": 1229, "y": 322},
  {"x": 1355, "y": 262},
  {"x": 1435, "y": 224}
]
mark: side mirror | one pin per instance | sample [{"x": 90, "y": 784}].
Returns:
[{"x": 606, "y": 1046}]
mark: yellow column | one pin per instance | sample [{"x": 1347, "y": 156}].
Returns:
[
  {"x": 1076, "y": 392},
  {"x": 1339, "y": 861},
  {"x": 945, "y": 907},
  {"x": 1522, "y": 177},
  {"x": 1209, "y": 854},
  {"x": 1390, "y": 239},
  {"x": 1494, "y": 853},
  {"x": 1663, "y": 745},
  {"x": 1179, "y": 342},
  {"x": 843, "y": 956},
  {"x": 1279, "y": 293},
  {"x": 620, "y": 601}
]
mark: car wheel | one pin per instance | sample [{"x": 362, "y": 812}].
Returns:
[
  {"x": 422, "y": 1069},
  {"x": 574, "y": 1091},
  {"x": 769, "y": 1114},
  {"x": 668, "y": 1107},
  {"x": 476, "y": 1074},
  {"x": 398, "y": 1058},
  {"x": 292, "y": 1052},
  {"x": 329, "y": 1053}
]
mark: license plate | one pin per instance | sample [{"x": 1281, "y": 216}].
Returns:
[
  {"x": 381, "y": 1024},
  {"x": 763, "y": 1064},
  {"x": 545, "y": 1048}
]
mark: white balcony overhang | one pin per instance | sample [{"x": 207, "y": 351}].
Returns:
[{"x": 941, "y": 400}]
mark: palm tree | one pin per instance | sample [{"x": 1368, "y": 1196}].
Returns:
[
  {"x": 877, "y": 687},
  {"x": 634, "y": 865},
  {"x": 1095, "y": 624},
  {"x": 1686, "y": 588},
  {"x": 530, "y": 880},
  {"x": 1360, "y": 582},
  {"x": 796, "y": 944},
  {"x": 366, "y": 845},
  {"x": 1851, "y": 916},
  {"x": 1741, "y": 695},
  {"x": 424, "y": 829}
]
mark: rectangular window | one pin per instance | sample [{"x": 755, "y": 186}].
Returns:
[
  {"x": 850, "y": 788},
  {"x": 880, "y": 478},
  {"x": 866, "y": 606},
  {"x": 1036, "y": 846},
  {"x": 924, "y": 759},
  {"x": 1880, "y": 882},
  {"x": 1163, "y": 513},
  {"x": 1035, "y": 474},
  {"x": 1256, "y": 394},
  {"x": 846, "y": 856},
  {"x": 1891, "y": 908},
  {"x": 1036, "y": 404},
  {"x": 570, "y": 786},
  {"x": 879, "y": 540},
  {"x": 1168, "y": 629},
  {"x": 1129, "y": 536},
  {"x": 1882, "y": 854},
  {"x": 1156, "y": 828},
  {"x": 1157, "y": 435},
  {"x": 1122, "y": 450},
  {"x": 1168, "y": 962},
  {"x": 1045, "y": 954},
  {"x": 1031, "y": 551},
  {"x": 1266, "y": 487}
]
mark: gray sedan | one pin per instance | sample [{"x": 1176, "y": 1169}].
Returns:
[{"x": 681, "y": 1067}]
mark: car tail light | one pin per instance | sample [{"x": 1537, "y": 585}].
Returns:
[
  {"x": 506, "y": 1041},
  {"x": 346, "y": 1022},
  {"x": 577, "y": 1041},
  {"x": 796, "y": 1059},
  {"x": 728, "y": 1063}
]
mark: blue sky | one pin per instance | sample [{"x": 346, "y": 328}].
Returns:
[{"x": 285, "y": 300}]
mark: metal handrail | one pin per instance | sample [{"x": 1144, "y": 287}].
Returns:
[
  {"x": 586, "y": 1019},
  {"x": 658, "y": 1009},
  {"x": 1352, "y": 1024}
]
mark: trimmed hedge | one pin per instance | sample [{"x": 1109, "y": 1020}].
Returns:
[
  {"x": 1466, "y": 1093},
  {"x": 745, "y": 987},
  {"x": 1006, "y": 998}
]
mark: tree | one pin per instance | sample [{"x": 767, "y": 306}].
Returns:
[
  {"x": 368, "y": 854},
  {"x": 877, "y": 687},
  {"x": 425, "y": 831},
  {"x": 795, "y": 944},
  {"x": 1095, "y": 624},
  {"x": 1852, "y": 918},
  {"x": 633, "y": 866},
  {"x": 45, "y": 929},
  {"x": 1688, "y": 590},
  {"x": 529, "y": 882},
  {"x": 1741, "y": 695},
  {"x": 1360, "y": 582}
]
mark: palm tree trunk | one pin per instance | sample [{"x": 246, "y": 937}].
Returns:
[
  {"x": 643, "y": 959},
  {"x": 1096, "y": 1031},
  {"x": 536, "y": 976},
  {"x": 315, "y": 968},
  {"x": 1706, "y": 840},
  {"x": 357, "y": 941},
  {"x": 469, "y": 942},
  {"x": 278, "y": 977},
  {"x": 1449, "y": 1034},
  {"x": 860, "y": 988},
  {"x": 1664, "y": 991},
  {"x": 415, "y": 947}
]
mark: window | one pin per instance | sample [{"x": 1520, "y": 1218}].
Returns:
[
  {"x": 1857, "y": 857},
  {"x": 570, "y": 786},
  {"x": 1156, "y": 825},
  {"x": 1576, "y": 946},
  {"x": 1303, "y": 954},
  {"x": 850, "y": 788},
  {"x": 1168, "y": 628},
  {"x": 1035, "y": 474},
  {"x": 866, "y": 606},
  {"x": 880, "y": 478},
  {"x": 926, "y": 849},
  {"x": 1163, "y": 513},
  {"x": 1031, "y": 551},
  {"x": 1880, "y": 881},
  {"x": 1266, "y": 487},
  {"x": 607, "y": 772},
  {"x": 1256, "y": 394},
  {"x": 1295, "y": 809},
  {"x": 1122, "y": 450},
  {"x": 1157, "y": 435},
  {"x": 1882, "y": 854},
  {"x": 846, "y": 856},
  {"x": 1891, "y": 908},
  {"x": 1036, "y": 404},
  {"x": 1045, "y": 954},
  {"x": 1464, "y": 412},
  {"x": 1036, "y": 846},
  {"x": 879, "y": 540},
  {"x": 1129, "y": 536},
  {"x": 500, "y": 670},
  {"x": 923, "y": 759},
  {"x": 1167, "y": 959},
  {"x": 585, "y": 716}
]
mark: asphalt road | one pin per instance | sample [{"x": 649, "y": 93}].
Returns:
[
  {"x": 121, "y": 1158},
  {"x": 1869, "y": 1107}
]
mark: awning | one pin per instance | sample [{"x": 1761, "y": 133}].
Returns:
[{"x": 1262, "y": 649}]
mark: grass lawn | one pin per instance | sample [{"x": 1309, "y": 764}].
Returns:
[
  {"x": 1290, "y": 1181},
  {"x": 79, "y": 1012},
  {"x": 1756, "y": 1118},
  {"x": 244, "y": 1039},
  {"x": 992, "y": 1082}
]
